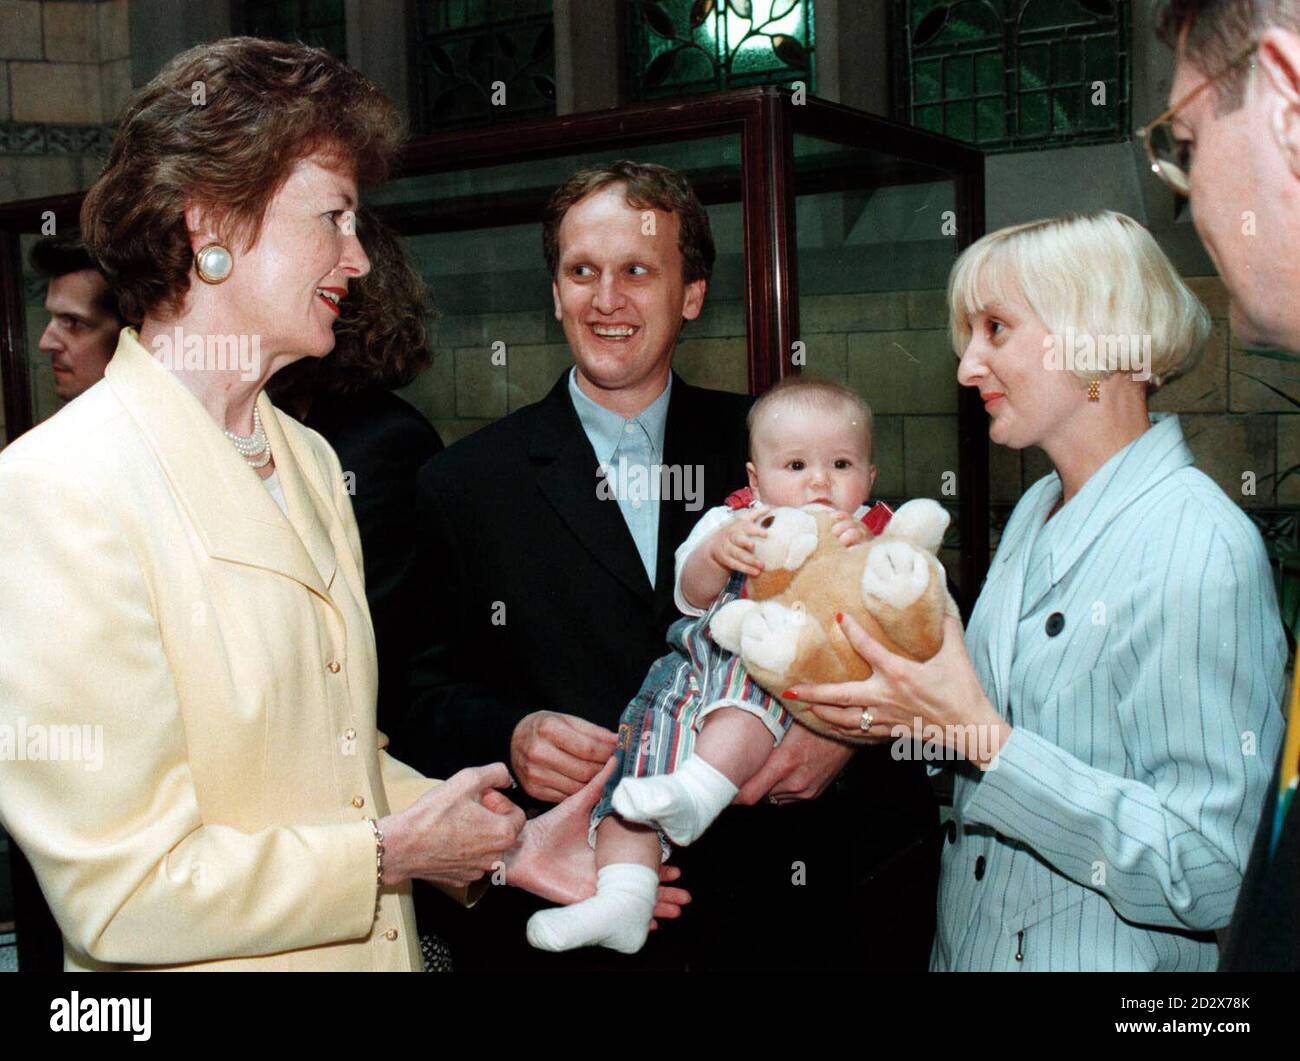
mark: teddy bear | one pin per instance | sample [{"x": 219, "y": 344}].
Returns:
[{"x": 784, "y": 629}]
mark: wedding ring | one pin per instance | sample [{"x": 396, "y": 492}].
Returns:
[
  {"x": 771, "y": 799},
  {"x": 864, "y": 723}
]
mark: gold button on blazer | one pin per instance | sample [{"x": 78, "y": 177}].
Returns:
[{"x": 169, "y": 715}]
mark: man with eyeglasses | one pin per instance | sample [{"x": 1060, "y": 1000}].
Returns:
[{"x": 1230, "y": 142}]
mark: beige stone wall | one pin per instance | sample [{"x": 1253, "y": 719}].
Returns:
[
  {"x": 1235, "y": 424},
  {"x": 61, "y": 64},
  {"x": 894, "y": 349}
]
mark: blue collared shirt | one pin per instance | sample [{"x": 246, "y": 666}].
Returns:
[{"x": 631, "y": 452}]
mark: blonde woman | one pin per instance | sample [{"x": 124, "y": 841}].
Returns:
[{"x": 1116, "y": 698}]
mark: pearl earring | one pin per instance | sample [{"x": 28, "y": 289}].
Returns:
[{"x": 214, "y": 263}]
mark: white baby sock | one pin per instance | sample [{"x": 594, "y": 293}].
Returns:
[
  {"x": 683, "y": 804},
  {"x": 617, "y": 916}
]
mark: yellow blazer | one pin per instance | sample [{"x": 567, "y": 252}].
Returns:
[{"x": 222, "y": 659}]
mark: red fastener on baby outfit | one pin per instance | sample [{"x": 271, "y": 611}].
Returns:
[
  {"x": 742, "y": 498},
  {"x": 877, "y": 518}
]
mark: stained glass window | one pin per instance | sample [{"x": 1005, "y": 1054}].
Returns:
[
  {"x": 480, "y": 61},
  {"x": 318, "y": 22},
  {"x": 674, "y": 47},
  {"x": 1014, "y": 73}
]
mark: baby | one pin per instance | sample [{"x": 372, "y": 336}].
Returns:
[{"x": 700, "y": 727}]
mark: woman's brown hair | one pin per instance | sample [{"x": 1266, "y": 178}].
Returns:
[{"x": 221, "y": 127}]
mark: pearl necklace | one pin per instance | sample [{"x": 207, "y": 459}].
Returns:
[{"x": 254, "y": 448}]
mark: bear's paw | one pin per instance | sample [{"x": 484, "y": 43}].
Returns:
[
  {"x": 770, "y": 636},
  {"x": 896, "y": 574}
]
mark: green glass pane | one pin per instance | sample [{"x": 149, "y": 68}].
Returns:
[
  {"x": 925, "y": 81},
  {"x": 930, "y": 119},
  {"x": 958, "y": 77},
  {"x": 920, "y": 9},
  {"x": 1067, "y": 111},
  {"x": 972, "y": 20},
  {"x": 439, "y": 16},
  {"x": 1067, "y": 62},
  {"x": 1102, "y": 115},
  {"x": 988, "y": 72},
  {"x": 736, "y": 43},
  {"x": 959, "y": 120},
  {"x": 690, "y": 66},
  {"x": 990, "y": 119},
  {"x": 1100, "y": 58},
  {"x": 749, "y": 62},
  {"x": 461, "y": 14},
  {"x": 1034, "y": 114},
  {"x": 1035, "y": 67},
  {"x": 1041, "y": 14}
]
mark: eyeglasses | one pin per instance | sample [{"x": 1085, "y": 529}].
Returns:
[{"x": 1171, "y": 158}]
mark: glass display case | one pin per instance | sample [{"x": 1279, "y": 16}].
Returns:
[{"x": 835, "y": 232}]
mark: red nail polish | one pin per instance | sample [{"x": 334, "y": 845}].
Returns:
[
  {"x": 789, "y": 694},
  {"x": 839, "y": 617}
]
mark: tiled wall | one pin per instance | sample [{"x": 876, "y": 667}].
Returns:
[{"x": 65, "y": 71}]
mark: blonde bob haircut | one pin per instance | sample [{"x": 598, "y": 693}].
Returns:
[{"x": 1100, "y": 275}]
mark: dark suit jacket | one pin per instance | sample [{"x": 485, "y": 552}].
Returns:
[
  {"x": 1265, "y": 930},
  {"x": 533, "y": 597},
  {"x": 382, "y": 441},
  {"x": 40, "y": 943}
]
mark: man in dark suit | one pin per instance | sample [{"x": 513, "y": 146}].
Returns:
[
  {"x": 1235, "y": 99},
  {"x": 548, "y": 592}
]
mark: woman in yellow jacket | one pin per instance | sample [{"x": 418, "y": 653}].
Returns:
[{"x": 187, "y": 667}]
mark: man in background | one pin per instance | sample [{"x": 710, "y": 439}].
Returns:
[{"x": 84, "y": 319}]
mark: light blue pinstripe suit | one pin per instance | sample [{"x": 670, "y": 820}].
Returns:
[{"x": 1113, "y": 832}]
